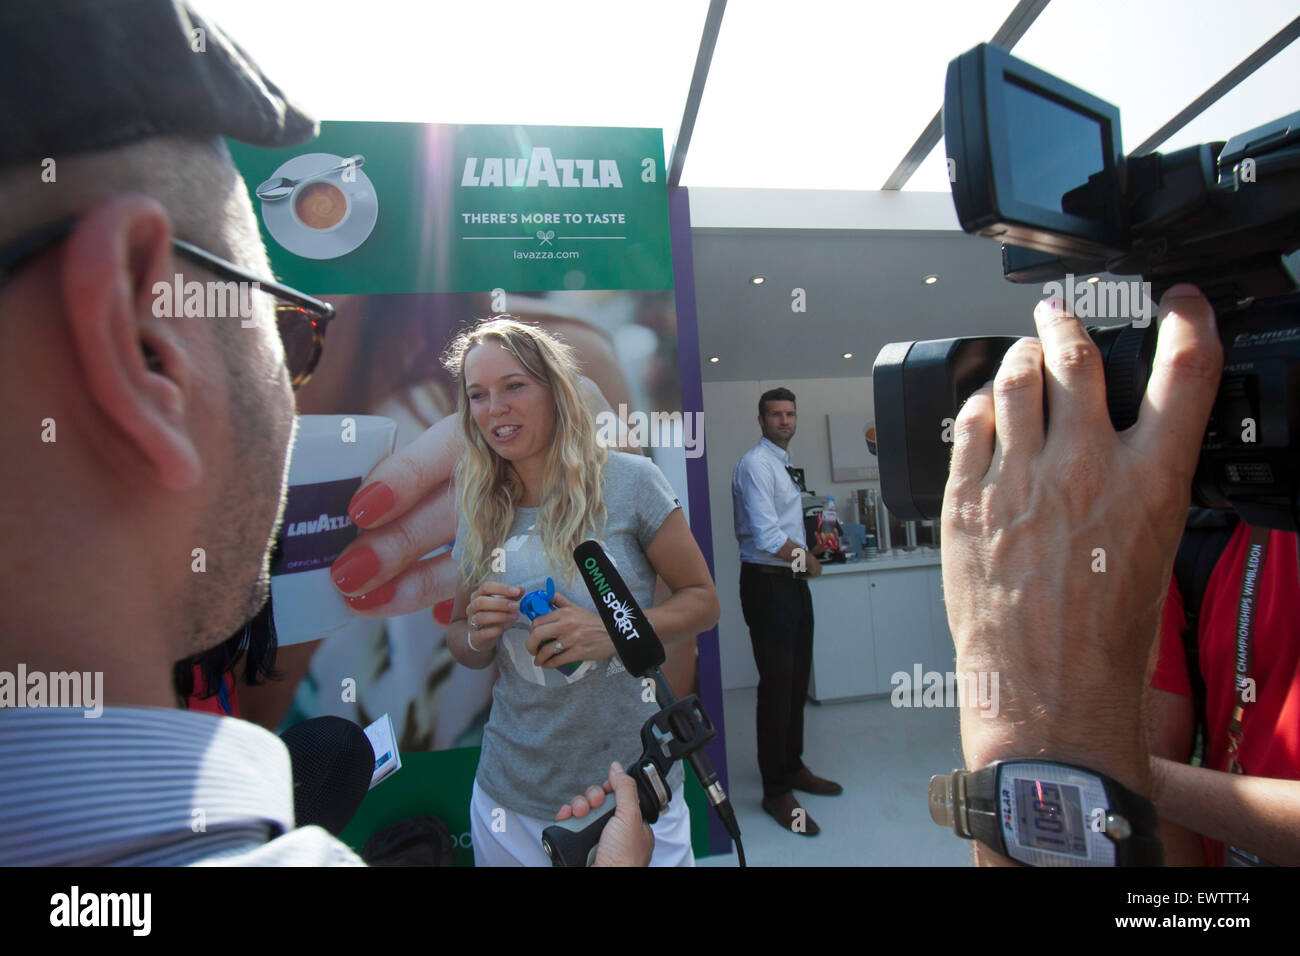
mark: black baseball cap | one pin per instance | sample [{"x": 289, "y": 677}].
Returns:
[{"x": 88, "y": 75}]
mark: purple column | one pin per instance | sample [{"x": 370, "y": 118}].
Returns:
[{"x": 697, "y": 480}]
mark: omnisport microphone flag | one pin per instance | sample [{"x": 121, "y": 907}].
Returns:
[{"x": 636, "y": 642}]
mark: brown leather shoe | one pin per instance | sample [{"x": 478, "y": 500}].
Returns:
[
  {"x": 786, "y": 811},
  {"x": 809, "y": 782}
]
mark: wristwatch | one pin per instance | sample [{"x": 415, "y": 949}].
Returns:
[{"x": 1043, "y": 813}]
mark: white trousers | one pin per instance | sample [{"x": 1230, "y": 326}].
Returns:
[{"x": 516, "y": 840}]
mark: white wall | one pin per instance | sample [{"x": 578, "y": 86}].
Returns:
[
  {"x": 731, "y": 429},
  {"x": 729, "y": 208}
]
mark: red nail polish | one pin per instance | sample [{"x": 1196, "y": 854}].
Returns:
[
  {"x": 370, "y": 504},
  {"x": 442, "y": 612},
  {"x": 376, "y": 598},
  {"x": 354, "y": 569}
]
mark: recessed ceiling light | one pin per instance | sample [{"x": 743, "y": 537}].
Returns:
[
  {"x": 714, "y": 359},
  {"x": 931, "y": 279},
  {"x": 1094, "y": 278},
  {"x": 758, "y": 280},
  {"x": 848, "y": 355}
]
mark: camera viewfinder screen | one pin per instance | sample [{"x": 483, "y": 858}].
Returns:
[{"x": 1053, "y": 149}]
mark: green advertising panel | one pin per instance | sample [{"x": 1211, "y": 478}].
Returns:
[{"x": 464, "y": 208}]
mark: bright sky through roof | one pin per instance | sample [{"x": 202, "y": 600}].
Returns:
[
  {"x": 562, "y": 63},
  {"x": 814, "y": 94},
  {"x": 1152, "y": 58}
]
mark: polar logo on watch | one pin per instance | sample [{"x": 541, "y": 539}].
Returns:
[{"x": 1006, "y": 810}]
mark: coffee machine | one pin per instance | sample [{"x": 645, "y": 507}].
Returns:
[{"x": 885, "y": 532}]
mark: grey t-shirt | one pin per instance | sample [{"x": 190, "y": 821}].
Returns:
[{"x": 552, "y": 734}]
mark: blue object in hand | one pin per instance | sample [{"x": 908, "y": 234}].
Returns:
[
  {"x": 536, "y": 603},
  {"x": 533, "y": 605}
]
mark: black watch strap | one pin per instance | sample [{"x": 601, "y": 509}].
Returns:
[
  {"x": 982, "y": 808},
  {"x": 1141, "y": 846}
]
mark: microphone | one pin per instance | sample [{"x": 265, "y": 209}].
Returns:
[
  {"x": 332, "y": 763},
  {"x": 641, "y": 651},
  {"x": 636, "y": 642}
]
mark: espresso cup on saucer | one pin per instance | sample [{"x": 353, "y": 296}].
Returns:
[
  {"x": 331, "y": 456},
  {"x": 320, "y": 205}
]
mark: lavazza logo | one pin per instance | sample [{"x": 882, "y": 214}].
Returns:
[
  {"x": 541, "y": 168},
  {"x": 318, "y": 526}
]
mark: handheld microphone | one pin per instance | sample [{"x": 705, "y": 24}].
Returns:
[
  {"x": 641, "y": 651},
  {"x": 332, "y": 763},
  {"x": 636, "y": 642}
]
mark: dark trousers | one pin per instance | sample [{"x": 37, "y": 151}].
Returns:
[{"x": 778, "y": 610}]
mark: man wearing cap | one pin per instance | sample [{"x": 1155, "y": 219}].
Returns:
[{"x": 145, "y": 452}]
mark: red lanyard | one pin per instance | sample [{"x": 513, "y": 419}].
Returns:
[{"x": 1247, "y": 605}]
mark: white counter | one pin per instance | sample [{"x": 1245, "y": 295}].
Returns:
[
  {"x": 904, "y": 559},
  {"x": 874, "y": 618}
]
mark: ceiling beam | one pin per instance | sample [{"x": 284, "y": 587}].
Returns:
[
  {"x": 708, "y": 39},
  {"x": 1013, "y": 28},
  {"x": 1279, "y": 42}
]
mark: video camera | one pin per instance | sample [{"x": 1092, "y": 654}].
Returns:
[{"x": 1037, "y": 163}]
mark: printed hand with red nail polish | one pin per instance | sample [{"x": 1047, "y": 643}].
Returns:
[{"x": 405, "y": 508}]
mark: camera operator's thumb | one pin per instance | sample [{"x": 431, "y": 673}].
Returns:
[
  {"x": 627, "y": 840},
  {"x": 1184, "y": 382}
]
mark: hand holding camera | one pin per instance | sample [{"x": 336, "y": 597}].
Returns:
[{"x": 1058, "y": 541}]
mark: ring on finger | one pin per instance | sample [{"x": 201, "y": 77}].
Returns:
[
  {"x": 473, "y": 623},
  {"x": 559, "y": 648}
]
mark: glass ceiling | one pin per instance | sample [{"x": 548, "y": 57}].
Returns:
[{"x": 814, "y": 94}]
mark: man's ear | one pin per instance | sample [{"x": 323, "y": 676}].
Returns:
[{"x": 136, "y": 366}]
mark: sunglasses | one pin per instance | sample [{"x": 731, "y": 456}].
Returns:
[{"x": 300, "y": 318}]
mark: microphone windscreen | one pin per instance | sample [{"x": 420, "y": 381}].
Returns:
[
  {"x": 333, "y": 763},
  {"x": 636, "y": 642}
]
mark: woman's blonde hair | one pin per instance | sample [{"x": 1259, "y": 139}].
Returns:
[{"x": 573, "y": 506}]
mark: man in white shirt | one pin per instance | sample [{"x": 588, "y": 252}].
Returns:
[{"x": 774, "y": 594}]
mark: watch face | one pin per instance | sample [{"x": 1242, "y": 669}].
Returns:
[
  {"x": 1053, "y": 815},
  {"x": 1050, "y": 817}
]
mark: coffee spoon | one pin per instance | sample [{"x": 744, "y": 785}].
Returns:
[{"x": 280, "y": 187}]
